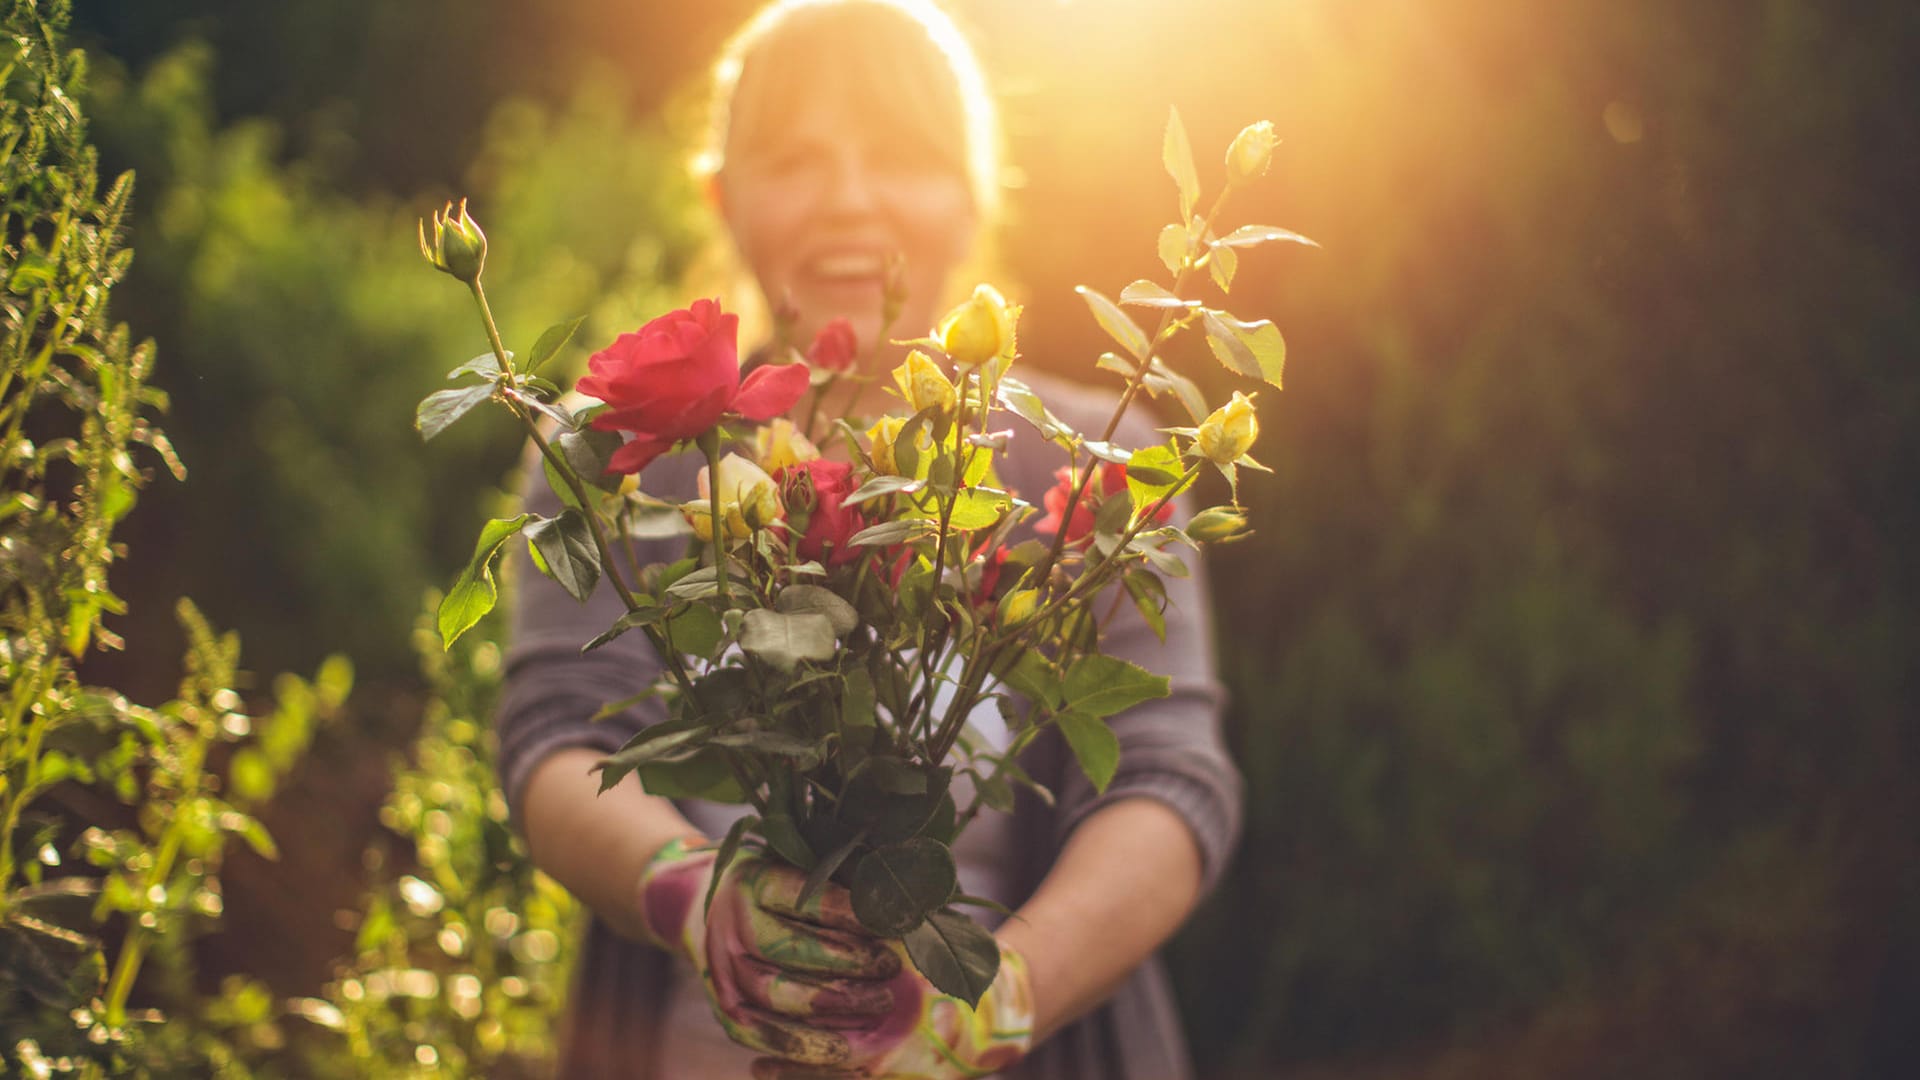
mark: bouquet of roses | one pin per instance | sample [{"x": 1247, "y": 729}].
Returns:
[{"x": 834, "y": 623}]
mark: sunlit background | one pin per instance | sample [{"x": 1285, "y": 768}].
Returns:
[{"x": 1574, "y": 663}]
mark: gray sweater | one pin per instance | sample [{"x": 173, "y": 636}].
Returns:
[{"x": 1171, "y": 750}]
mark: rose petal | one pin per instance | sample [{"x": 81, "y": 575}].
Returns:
[
  {"x": 770, "y": 391},
  {"x": 637, "y": 454}
]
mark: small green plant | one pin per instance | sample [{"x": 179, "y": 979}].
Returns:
[{"x": 114, "y": 817}]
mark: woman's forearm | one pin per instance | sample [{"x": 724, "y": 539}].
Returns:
[
  {"x": 597, "y": 845},
  {"x": 1127, "y": 878}
]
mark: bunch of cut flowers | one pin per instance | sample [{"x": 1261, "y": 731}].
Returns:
[{"x": 834, "y": 622}]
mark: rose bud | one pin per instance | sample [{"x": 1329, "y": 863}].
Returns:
[
  {"x": 880, "y": 439},
  {"x": 980, "y": 329},
  {"x": 834, "y": 347},
  {"x": 749, "y": 499},
  {"x": 1229, "y": 432},
  {"x": 1218, "y": 524},
  {"x": 818, "y": 488},
  {"x": 1251, "y": 152},
  {"x": 459, "y": 247},
  {"x": 923, "y": 384}
]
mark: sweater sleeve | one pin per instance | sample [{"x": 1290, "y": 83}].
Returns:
[
  {"x": 1172, "y": 749},
  {"x": 551, "y": 689}
]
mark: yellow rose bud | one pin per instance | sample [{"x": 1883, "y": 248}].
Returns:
[
  {"x": 980, "y": 329},
  {"x": 1228, "y": 433},
  {"x": 922, "y": 383},
  {"x": 780, "y": 445},
  {"x": 1217, "y": 524},
  {"x": 749, "y": 499},
  {"x": 880, "y": 444},
  {"x": 1251, "y": 152},
  {"x": 1018, "y": 606},
  {"x": 458, "y": 246}
]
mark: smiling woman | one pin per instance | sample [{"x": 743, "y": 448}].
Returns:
[{"x": 823, "y": 171}]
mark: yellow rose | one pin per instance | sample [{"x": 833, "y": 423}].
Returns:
[
  {"x": 980, "y": 329},
  {"x": 922, "y": 383},
  {"x": 1228, "y": 433},
  {"x": 780, "y": 445},
  {"x": 880, "y": 444},
  {"x": 749, "y": 499}
]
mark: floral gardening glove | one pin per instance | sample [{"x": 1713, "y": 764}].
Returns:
[
  {"x": 797, "y": 981},
  {"x": 928, "y": 1035}
]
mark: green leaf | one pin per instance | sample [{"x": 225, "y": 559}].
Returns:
[
  {"x": 1250, "y": 235},
  {"x": 587, "y": 451},
  {"x": 696, "y": 631},
  {"x": 1094, "y": 745},
  {"x": 443, "y": 407},
  {"x": 956, "y": 955},
  {"x": 889, "y": 533},
  {"x": 895, "y": 777},
  {"x": 1099, "y": 685},
  {"x": 651, "y": 744},
  {"x": 777, "y": 743},
  {"x": 724, "y": 857},
  {"x": 883, "y": 485},
  {"x": 486, "y": 364},
  {"x": 1148, "y": 294},
  {"x": 702, "y": 775},
  {"x": 1150, "y": 597},
  {"x": 978, "y": 508},
  {"x": 1172, "y": 248},
  {"x": 1176, "y": 153},
  {"x": 551, "y": 341},
  {"x": 1115, "y": 322},
  {"x": 896, "y": 886},
  {"x": 651, "y": 613},
  {"x": 473, "y": 593},
  {"x": 783, "y": 836},
  {"x": 857, "y": 700},
  {"x": 566, "y": 546},
  {"x": 1152, "y": 473},
  {"x": 1223, "y": 263},
  {"x": 784, "y": 640},
  {"x": 1020, "y": 400},
  {"x": 1254, "y": 349},
  {"x": 818, "y": 600},
  {"x": 1034, "y": 677}
]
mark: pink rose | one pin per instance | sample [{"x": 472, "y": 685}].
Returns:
[
  {"x": 835, "y": 347},
  {"x": 676, "y": 378},
  {"x": 818, "y": 488}
]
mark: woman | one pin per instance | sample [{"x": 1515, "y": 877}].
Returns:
[{"x": 848, "y": 132}]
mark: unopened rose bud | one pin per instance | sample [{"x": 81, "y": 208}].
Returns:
[
  {"x": 880, "y": 444},
  {"x": 1251, "y": 152},
  {"x": 923, "y": 384},
  {"x": 457, "y": 246},
  {"x": 749, "y": 499},
  {"x": 1018, "y": 606},
  {"x": 1217, "y": 524},
  {"x": 979, "y": 330},
  {"x": 1227, "y": 434}
]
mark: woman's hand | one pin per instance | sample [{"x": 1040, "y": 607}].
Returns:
[
  {"x": 800, "y": 981},
  {"x": 927, "y": 1035}
]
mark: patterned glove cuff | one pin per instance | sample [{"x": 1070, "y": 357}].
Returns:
[{"x": 672, "y": 887}]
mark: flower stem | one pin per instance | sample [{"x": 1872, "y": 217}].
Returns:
[{"x": 709, "y": 444}]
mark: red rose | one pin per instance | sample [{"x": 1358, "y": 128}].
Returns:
[
  {"x": 834, "y": 348},
  {"x": 676, "y": 378},
  {"x": 1110, "y": 480},
  {"x": 818, "y": 488}
]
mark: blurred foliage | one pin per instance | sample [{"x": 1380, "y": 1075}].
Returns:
[
  {"x": 463, "y": 950},
  {"x": 305, "y": 331},
  {"x": 114, "y": 817}
]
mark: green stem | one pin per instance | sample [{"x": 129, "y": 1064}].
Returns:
[{"x": 709, "y": 444}]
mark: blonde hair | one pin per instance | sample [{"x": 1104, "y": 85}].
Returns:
[{"x": 880, "y": 54}]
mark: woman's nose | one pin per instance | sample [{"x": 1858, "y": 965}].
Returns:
[{"x": 851, "y": 191}]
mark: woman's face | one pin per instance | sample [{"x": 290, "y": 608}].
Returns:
[{"x": 820, "y": 202}]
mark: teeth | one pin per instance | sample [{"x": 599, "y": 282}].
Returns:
[{"x": 848, "y": 265}]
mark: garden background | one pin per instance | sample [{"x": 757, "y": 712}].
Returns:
[{"x": 1573, "y": 667}]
